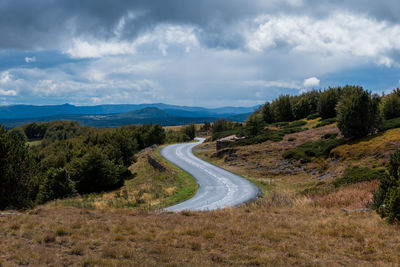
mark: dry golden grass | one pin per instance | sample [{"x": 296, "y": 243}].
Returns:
[
  {"x": 378, "y": 147},
  {"x": 279, "y": 230}
]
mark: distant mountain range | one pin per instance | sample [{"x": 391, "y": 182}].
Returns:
[{"x": 118, "y": 115}]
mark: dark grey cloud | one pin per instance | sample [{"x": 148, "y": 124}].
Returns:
[{"x": 47, "y": 24}]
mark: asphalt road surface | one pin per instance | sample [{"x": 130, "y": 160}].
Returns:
[{"x": 218, "y": 188}]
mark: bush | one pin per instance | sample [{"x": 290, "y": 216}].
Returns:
[
  {"x": 358, "y": 174},
  {"x": 357, "y": 113},
  {"x": 307, "y": 150},
  {"x": 57, "y": 184},
  {"x": 325, "y": 122},
  {"x": 291, "y": 139},
  {"x": 389, "y": 124},
  {"x": 329, "y": 136},
  {"x": 313, "y": 116},
  {"x": 95, "y": 172},
  {"x": 295, "y": 124}
]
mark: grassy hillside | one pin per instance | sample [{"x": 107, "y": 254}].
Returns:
[{"x": 314, "y": 211}]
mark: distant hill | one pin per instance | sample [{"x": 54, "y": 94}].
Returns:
[{"x": 30, "y": 111}]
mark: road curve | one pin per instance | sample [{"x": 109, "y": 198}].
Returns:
[{"x": 218, "y": 188}]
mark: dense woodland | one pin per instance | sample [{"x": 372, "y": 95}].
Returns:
[{"x": 67, "y": 159}]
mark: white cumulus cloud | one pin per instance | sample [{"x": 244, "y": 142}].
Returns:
[
  {"x": 337, "y": 34},
  {"x": 311, "y": 82}
]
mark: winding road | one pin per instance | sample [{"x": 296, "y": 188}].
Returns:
[{"x": 218, "y": 188}]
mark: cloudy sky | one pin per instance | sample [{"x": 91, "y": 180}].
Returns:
[{"x": 198, "y": 53}]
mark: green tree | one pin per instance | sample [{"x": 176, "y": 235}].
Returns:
[
  {"x": 255, "y": 124},
  {"x": 56, "y": 184},
  {"x": 327, "y": 103},
  {"x": 155, "y": 135},
  {"x": 18, "y": 173},
  {"x": 389, "y": 106},
  {"x": 357, "y": 113},
  {"x": 267, "y": 113},
  {"x": 387, "y": 198},
  {"x": 190, "y": 131},
  {"x": 302, "y": 108},
  {"x": 95, "y": 172},
  {"x": 282, "y": 109},
  {"x": 18, "y": 133}
]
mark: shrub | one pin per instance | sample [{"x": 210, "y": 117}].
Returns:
[
  {"x": 291, "y": 139},
  {"x": 295, "y": 124},
  {"x": 389, "y": 124},
  {"x": 387, "y": 198},
  {"x": 95, "y": 172},
  {"x": 57, "y": 184},
  {"x": 357, "y": 113},
  {"x": 329, "y": 135},
  {"x": 313, "y": 116},
  {"x": 358, "y": 174},
  {"x": 309, "y": 149},
  {"x": 325, "y": 122}
]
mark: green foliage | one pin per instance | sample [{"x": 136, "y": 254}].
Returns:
[
  {"x": 190, "y": 131},
  {"x": 302, "y": 108},
  {"x": 18, "y": 133},
  {"x": 328, "y": 101},
  {"x": 307, "y": 150},
  {"x": 95, "y": 172},
  {"x": 357, "y": 113},
  {"x": 282, "y": 109},
  {"x": 267, "y": 113},
  {"x": 291, "y": 139},
  {"x": 330, "y": 135},
  {"x": 56, "y": 184},
  {"x": 35, "y": 130},
  {"x": 325, "y": 122},
  {"x": 313, "y": 116},
  {"x": 389, "y": 106},
  {"x": 358, "y": 174},
  {"x": 254, "y": 124},
  {"x": 387, "y": 198},
  {"x": 206, "y": 126},
  {"x": 390, "y": 124},
  {"x": 295, "y": 124},
  {"x": 18, "y": 173}
]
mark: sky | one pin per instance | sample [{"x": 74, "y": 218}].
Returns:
[{"x": 207, "y": 53}]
